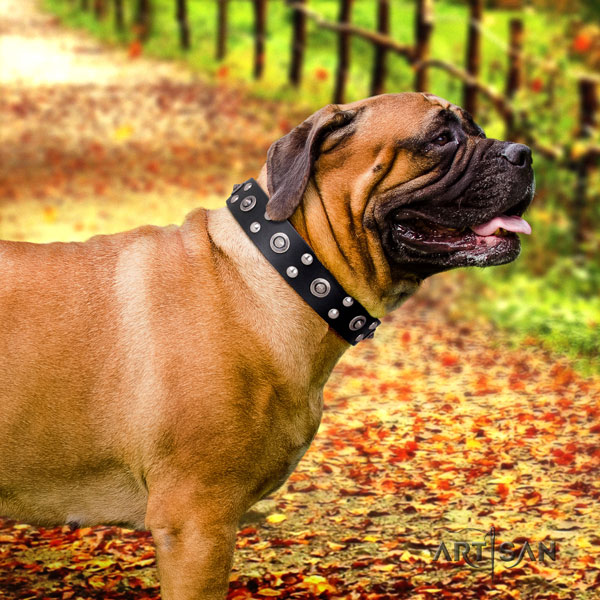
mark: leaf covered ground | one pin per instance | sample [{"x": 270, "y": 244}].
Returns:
[{"x": 435, "y": 426}]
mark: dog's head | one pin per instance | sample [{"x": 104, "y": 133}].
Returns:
[{"x": 397, "y": 187}]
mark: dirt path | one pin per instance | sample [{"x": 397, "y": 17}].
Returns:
[
  {"x": 88, "y": 133},
  {"x": 432, "y": 427}
]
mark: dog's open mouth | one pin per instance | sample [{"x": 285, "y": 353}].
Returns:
[
  {"x": 427, "y": 237},
  {"x": 431, "y": 247}
]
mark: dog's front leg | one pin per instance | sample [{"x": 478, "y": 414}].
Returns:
[{"x": 194, "y": 541}]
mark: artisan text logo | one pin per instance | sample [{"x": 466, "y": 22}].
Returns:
[{"x": 510, "y": 554}]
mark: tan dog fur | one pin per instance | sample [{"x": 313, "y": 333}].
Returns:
[{"x": 168, "y": 378}]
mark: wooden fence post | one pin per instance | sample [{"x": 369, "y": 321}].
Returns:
[
  {"x": 588, "y": 107},
  {"x": 181, "y": 15},
  {"x": 260, "y": 20},
  {"x": 379, "y": 62},
  {"x": 298, "y": 45},
  {"x": 119, "y": 19},
  {"x": 341, "y": 78},
  {"x": 99, "y": 9},
  {"x": 221, "y": 29},
  {"x": 514, "y": 78},
  {"x": 473, "y": 55},
  {"x": 424, "y": 28},
  {"x": 143, "y": 18}
]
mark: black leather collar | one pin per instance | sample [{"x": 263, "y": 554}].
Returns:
[{"x": 295, "y": 261}]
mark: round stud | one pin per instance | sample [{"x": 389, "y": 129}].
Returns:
[
  {"x": 357, "y": 323},
  {"x": 334, "y": 313},
  {"x": 279, "y": 243},
  {"x": 306, "y": 258},
  {"x": 248, "y": 203},
  {"x": 247, "y": 187},
  {"x": 373, "y": 325},
  {"x": 320, "y": 287},
  {"x": 347, "y": 301},
  {"x": 292, "y": 272},
  {"x": 358, "y": 337},
  {"x": 234, "y": 199},
  {"x": 267, "y": 217},
  {"x": 255, "y": 227}
]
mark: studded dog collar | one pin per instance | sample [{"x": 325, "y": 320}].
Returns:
[{"x": 295, "y": 261}]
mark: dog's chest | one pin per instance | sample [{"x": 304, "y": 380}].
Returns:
[
  {"x": 284, "y": 450},
  {"x": 284, "y": 470}
]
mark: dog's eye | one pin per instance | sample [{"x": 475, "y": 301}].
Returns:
[{"x": 443, "y": 139}]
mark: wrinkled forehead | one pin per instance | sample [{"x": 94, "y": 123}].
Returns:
[
  {"x": 446, "y": 113},
  {"x": 411, "y": 113}
]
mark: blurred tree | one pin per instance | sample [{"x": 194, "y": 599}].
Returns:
[
  {"x": 470, "y": 91},
  {"x": 100, "y": 8},
  {"x": 379, "y": 62},
  {"x": 506, "y": 4},
  {"x": 343, "y": 53},
  {"x": 119, "y": 20},
  {"x": 260, "y": 26},
  {"x": 184, "y": 27},
  {"x": 143, "y": 18},
  {"x": 222, "y": 29},
  {"x": 424, "y": 29},
  {"x": 298, "y": 46}
]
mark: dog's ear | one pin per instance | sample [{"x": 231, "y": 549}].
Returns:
[{"x": 291, "y": 158}]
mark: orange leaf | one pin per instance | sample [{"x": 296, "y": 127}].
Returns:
[
  {"x": 321, "y": 74},
  {"x": 449, "y": 360},
  {"x": 582, "y": 43},
  {"x": 563, "y": 458},
  {"x": 503, "y": 490},
  {"x": 135, "y": 49},
  {"x": 537, "y": 85},
  {"x": 285, "y": 125}
]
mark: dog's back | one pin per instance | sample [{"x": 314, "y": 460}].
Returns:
[{"x": 63, "y": 310}]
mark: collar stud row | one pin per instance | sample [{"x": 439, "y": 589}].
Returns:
[{"x": 295, "y": 261}]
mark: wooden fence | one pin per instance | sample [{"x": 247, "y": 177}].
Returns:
[{"x": 417, "y": 55}]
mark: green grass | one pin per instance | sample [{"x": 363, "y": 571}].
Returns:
[
  {"x": 559, "y": 309},
  {"x": 546, "y": 293},
  {"x": 448, "y": 43}
]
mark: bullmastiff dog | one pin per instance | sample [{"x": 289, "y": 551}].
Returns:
[{"x": 167, "y": 378}]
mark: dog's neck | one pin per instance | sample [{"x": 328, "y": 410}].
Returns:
[
  {"x": 287, "y": 316},
  {"x": 316, "y": 225},
  {"x": 298, "y": 264},
  {"x": 302, "y": 342},
  {"x": 370, "y": 286},
  {"x": 354, "y": 258}
]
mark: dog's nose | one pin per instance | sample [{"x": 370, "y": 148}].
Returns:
[{"x": 517, "y": 154}]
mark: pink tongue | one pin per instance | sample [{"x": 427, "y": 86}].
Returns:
[{"x": 513, "y": 223}]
